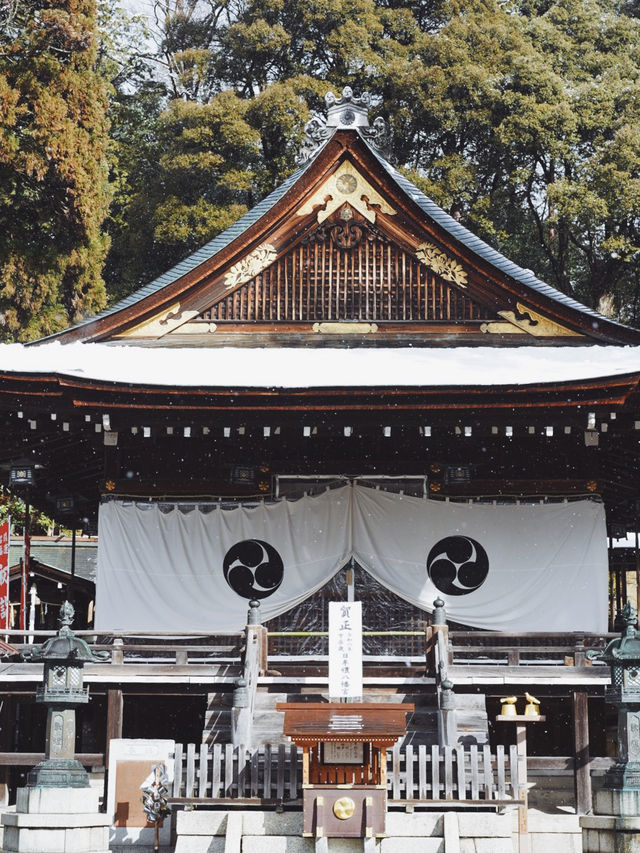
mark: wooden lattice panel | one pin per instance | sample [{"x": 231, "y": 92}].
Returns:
[{"x": 374, "y": 281}]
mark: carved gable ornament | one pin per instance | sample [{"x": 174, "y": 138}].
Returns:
[
  {"x": 160, "y": 324},
  {"x": 250, "y": 265},
  {"x": 346, "y": 185},
  {"x": 441, "y": 264},
  {"x": 529, "y": 323}
]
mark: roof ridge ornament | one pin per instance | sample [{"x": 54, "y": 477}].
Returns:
[{"x": 347, "y": 112}]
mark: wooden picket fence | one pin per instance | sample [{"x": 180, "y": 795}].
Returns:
[{"x": 274, "y": 773}]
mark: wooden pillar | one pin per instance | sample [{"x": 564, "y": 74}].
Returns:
[
  {"x": 582, "y": 771},
  {"x": 114, "y": 719},
  {"x": 523, "y": 794}
]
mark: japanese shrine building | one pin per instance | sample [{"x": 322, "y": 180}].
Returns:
[{"x": 345, "y": 334}]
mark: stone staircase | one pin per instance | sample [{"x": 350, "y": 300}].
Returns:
[
  {"x": 422, "y": 724},
  {"x": 217, "y": 718}
]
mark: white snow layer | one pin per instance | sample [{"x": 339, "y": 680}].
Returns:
[{"x": 234, "y": 367}]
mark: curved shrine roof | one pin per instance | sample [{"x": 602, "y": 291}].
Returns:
[{"x": 166, "y": 292}]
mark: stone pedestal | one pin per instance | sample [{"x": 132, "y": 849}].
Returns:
[
  {"x": 55, "y": 820},
  {"x": 203, "y": 831},
  {"x": 616, "y": 825},
  {"x": 615, "y": 834}
]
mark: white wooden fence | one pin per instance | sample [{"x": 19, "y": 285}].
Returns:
[{"x": 415, "y": 774}]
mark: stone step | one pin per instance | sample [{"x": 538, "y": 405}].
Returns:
[
  {"x": 217, "y": 717},
  {"x": 422, "y": 724}
]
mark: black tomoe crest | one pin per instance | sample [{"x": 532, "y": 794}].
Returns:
[
  {"x": 253, "y": 568},
  {"x": 457, "y": 565}
]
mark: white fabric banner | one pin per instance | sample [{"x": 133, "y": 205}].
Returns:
[
  {"x": 519, "y": 567},
  {"x": 528, "y": 567},
  {"x": 197, "y": 571}
]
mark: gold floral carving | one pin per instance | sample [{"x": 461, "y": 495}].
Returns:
[
  {"x": 346, "y": 185},
  {"x": 441, "y": 264},
  {"x": 533, "y": 324},
  {"x": 250, "y": 265}
]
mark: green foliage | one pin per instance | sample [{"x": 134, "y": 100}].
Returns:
[
  {"x": 14, "y": 507},
  {"x": 54, "y": 191}
]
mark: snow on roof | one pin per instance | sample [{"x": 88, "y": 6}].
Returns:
[{"x": 311, "y": 367}]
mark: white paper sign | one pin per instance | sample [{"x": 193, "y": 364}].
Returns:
[{"x": 345, "y": 649}]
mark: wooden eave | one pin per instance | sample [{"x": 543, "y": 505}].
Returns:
[
  {"x": 283, "y": 228},
  {"x": 84, "y": 395},
  {"x": 53, "y": 574},
  {"x": 378, "y": 722}
]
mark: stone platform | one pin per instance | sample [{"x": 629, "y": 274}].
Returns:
[
  {"x": 269, "y": 832},
  {"x": 56, "y": 820},
  {"x": 615, "y": 828}
]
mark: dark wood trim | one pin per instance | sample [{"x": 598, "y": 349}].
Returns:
[
  {"x": 29, "y": 759},
  {"x": 115, "y": 706},
  {"x": 582, "y": 776}
]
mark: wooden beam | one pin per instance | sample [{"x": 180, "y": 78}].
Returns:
[
  {"x": 114, "y": 719},
  {"x": 582, "y": 774},
  {"x": 29, "y": 759}
]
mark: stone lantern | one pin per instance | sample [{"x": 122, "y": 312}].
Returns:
[
  {"x": 62, "y": 690},
  {"x": 623, "y": 657}
]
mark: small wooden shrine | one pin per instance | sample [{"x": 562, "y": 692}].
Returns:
[{"x": 344, "y": 769}]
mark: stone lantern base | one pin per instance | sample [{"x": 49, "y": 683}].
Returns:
[
  {"x": 616, "y": 824},
  {"x": 48, "y": 820},
  {"x": 58, "y": 773}
]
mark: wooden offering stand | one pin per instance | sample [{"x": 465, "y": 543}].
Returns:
[
  {"x": 521, "y": 721},
  {"x": 344, "y": 766}
]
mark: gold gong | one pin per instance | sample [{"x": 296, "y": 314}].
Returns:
[{"x": 344, "y": 808}]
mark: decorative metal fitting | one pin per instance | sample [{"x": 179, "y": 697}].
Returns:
[
  {"x": 253, "y": 614},
  {"x": 447, "y": 697},
  {"x": 240, "y": 694},
  {"x": 439, "y": 613},
  {"x": 347, "y": 112}
]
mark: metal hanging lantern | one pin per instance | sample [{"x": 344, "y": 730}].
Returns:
[{"x": 22, "y": 473}]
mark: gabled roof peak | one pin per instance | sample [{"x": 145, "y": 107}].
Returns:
[{"x": 349, "y": 112}]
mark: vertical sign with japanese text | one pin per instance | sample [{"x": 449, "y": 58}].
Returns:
[
  {"x": 345, "y": 649},
  {"x": 4, "y": 575}
]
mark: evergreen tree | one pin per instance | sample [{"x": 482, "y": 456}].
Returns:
[{"x": 54, "y": 191}]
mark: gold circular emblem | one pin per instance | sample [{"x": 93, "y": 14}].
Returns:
[
  {"x": 346, "y": 183},
  {"x": 344, "y": 808}
]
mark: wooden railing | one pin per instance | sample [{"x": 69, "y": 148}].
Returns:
[
  {"x": 139, "y": 647},
  {"x": 465, "y": 647},
  {"x": 523, "y": 649},
  {"x": 374, "y": 643},
  {"x": 274, "y": 774}
]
